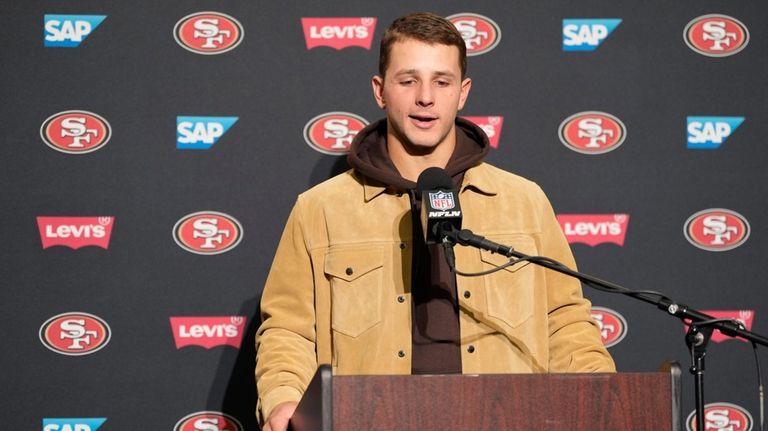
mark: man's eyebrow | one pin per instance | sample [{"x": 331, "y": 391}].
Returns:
[{"x": 416, "y": 72}]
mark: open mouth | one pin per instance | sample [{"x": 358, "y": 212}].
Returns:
[{"x": 423, "y": 120}]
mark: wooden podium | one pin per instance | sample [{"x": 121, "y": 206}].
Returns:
[{"x": 572, "y": 402}]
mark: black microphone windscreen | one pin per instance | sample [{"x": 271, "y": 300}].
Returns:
[{"x": 434, "y": 179}]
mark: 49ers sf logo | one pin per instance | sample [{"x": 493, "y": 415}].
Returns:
[
  {"x": 208, "y": 33},
  {"x": 75, "y": 132},
  {"x": 75, "y": 334},
  {"x": 722, "y": 417},
  {"x": 480, "y": 33},
  {"x": 716, "y": 229},
  {"x": 332, "y": 133},
  {"x": 716, "y": 35},
  {"x": 208, "y": 421},
  {"x": 592, "y": 132},
  {"x": 613, "y": 326},
  {"x": 207, "y": 232}
]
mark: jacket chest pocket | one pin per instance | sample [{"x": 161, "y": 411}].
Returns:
[
  {"x": 510, "y": 292},
  {"x": 356, "y": 278}
]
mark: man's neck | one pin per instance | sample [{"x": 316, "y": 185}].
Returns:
[{"x": 411, "y": 165}]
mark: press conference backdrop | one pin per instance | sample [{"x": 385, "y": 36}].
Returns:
[{"x": 151, "y": 153}]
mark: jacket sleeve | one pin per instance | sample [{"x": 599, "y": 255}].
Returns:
[
  {"x": 575, "y": 344},
  {"x": 285, "y": 341}
]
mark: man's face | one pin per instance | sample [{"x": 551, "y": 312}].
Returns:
[{"x": 422, "y": 91}]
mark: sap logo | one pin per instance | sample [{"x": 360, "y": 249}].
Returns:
[
  {"x": 200, "y": 133},
  {"x": 68, "y": 31},
  {"x": 586, "y": 34},
  {"x": 69, "y": 424},
  {"x": 707, "y": 133}
]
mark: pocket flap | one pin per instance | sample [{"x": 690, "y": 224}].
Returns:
[{"x": 348, "y": 264}]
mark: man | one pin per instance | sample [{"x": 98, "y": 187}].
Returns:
[{"x": 353, "y": 283}]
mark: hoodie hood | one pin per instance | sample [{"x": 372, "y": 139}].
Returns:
[{"x": 368, "y": 153}]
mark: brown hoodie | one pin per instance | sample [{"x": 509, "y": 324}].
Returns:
[{"x": 435, "y": 317}]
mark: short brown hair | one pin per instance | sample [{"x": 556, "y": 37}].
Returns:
[{"x": 424, "y": 27}]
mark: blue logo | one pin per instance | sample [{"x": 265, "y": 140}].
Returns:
[
  {"x": 586, "y": 34},
  {"x": 82, "y": 424},
  {"x": 68, "y": 31},
  {"x": 708, "y": 133},
  {"x": 200, "y": 133}
]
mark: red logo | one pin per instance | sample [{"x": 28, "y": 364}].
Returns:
[
  {"x": 594, "y": 229},
  {"x": 208, "y": 33},
  {"x": 75, "y": 232},
  {"x": 207, "y": 232},
  {"x": 480, "y": 33},
  {"x": 75, "y": 334},
  {"x": 716, "y": 229},
  {"x": 338, "y": 33},
  {"x": 75, "y": 132},
  {"x": 722, "y": 417},
  {"x": 208, "y": 421},
  {"x": 746, "y": 317},
  {"x": 332, "y": 133},
  {"x": 491, "y": 126},
  {"x": 208, "y": 332},
  {"x": 592, "y": 132},
  {"x": 716, "y": 35},
  {"x": 613, "y": 326}
]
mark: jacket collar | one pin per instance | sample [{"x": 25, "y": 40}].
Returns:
[{"x": 477, "y": 178}]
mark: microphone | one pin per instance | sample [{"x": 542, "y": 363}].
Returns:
[{"x": 440, "y": 209}]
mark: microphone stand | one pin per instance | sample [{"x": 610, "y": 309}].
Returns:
[{"x": 701, "y": 325}]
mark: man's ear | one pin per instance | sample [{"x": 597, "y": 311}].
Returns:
[
  {"x": 466, "y": 85},
  {"x": 377, "y": 84}
]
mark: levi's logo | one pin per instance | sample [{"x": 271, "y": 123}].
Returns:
[
  {"x": 338, "y": 33},
  {"x": 208, "y": 332},
  {"x": 75, "y": 232},
  {"x": 491, "y": 126},
  {"x": 72, "y": 424},
  {"x": 746, "y": 317},
  {"x": 594, "y": 229}
]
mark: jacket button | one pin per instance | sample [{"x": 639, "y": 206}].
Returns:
[
  {"x": 467, "y": 294},
  {"x": 471, "y": 349},
  {"x": 401, "y": 299},
  {"x": 401, "y": 354},
  {"x": 350, "y": 271},
  {"x": 402, "y": 246}
]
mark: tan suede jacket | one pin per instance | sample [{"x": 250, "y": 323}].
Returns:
[{"x": 339, "y": 288}]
